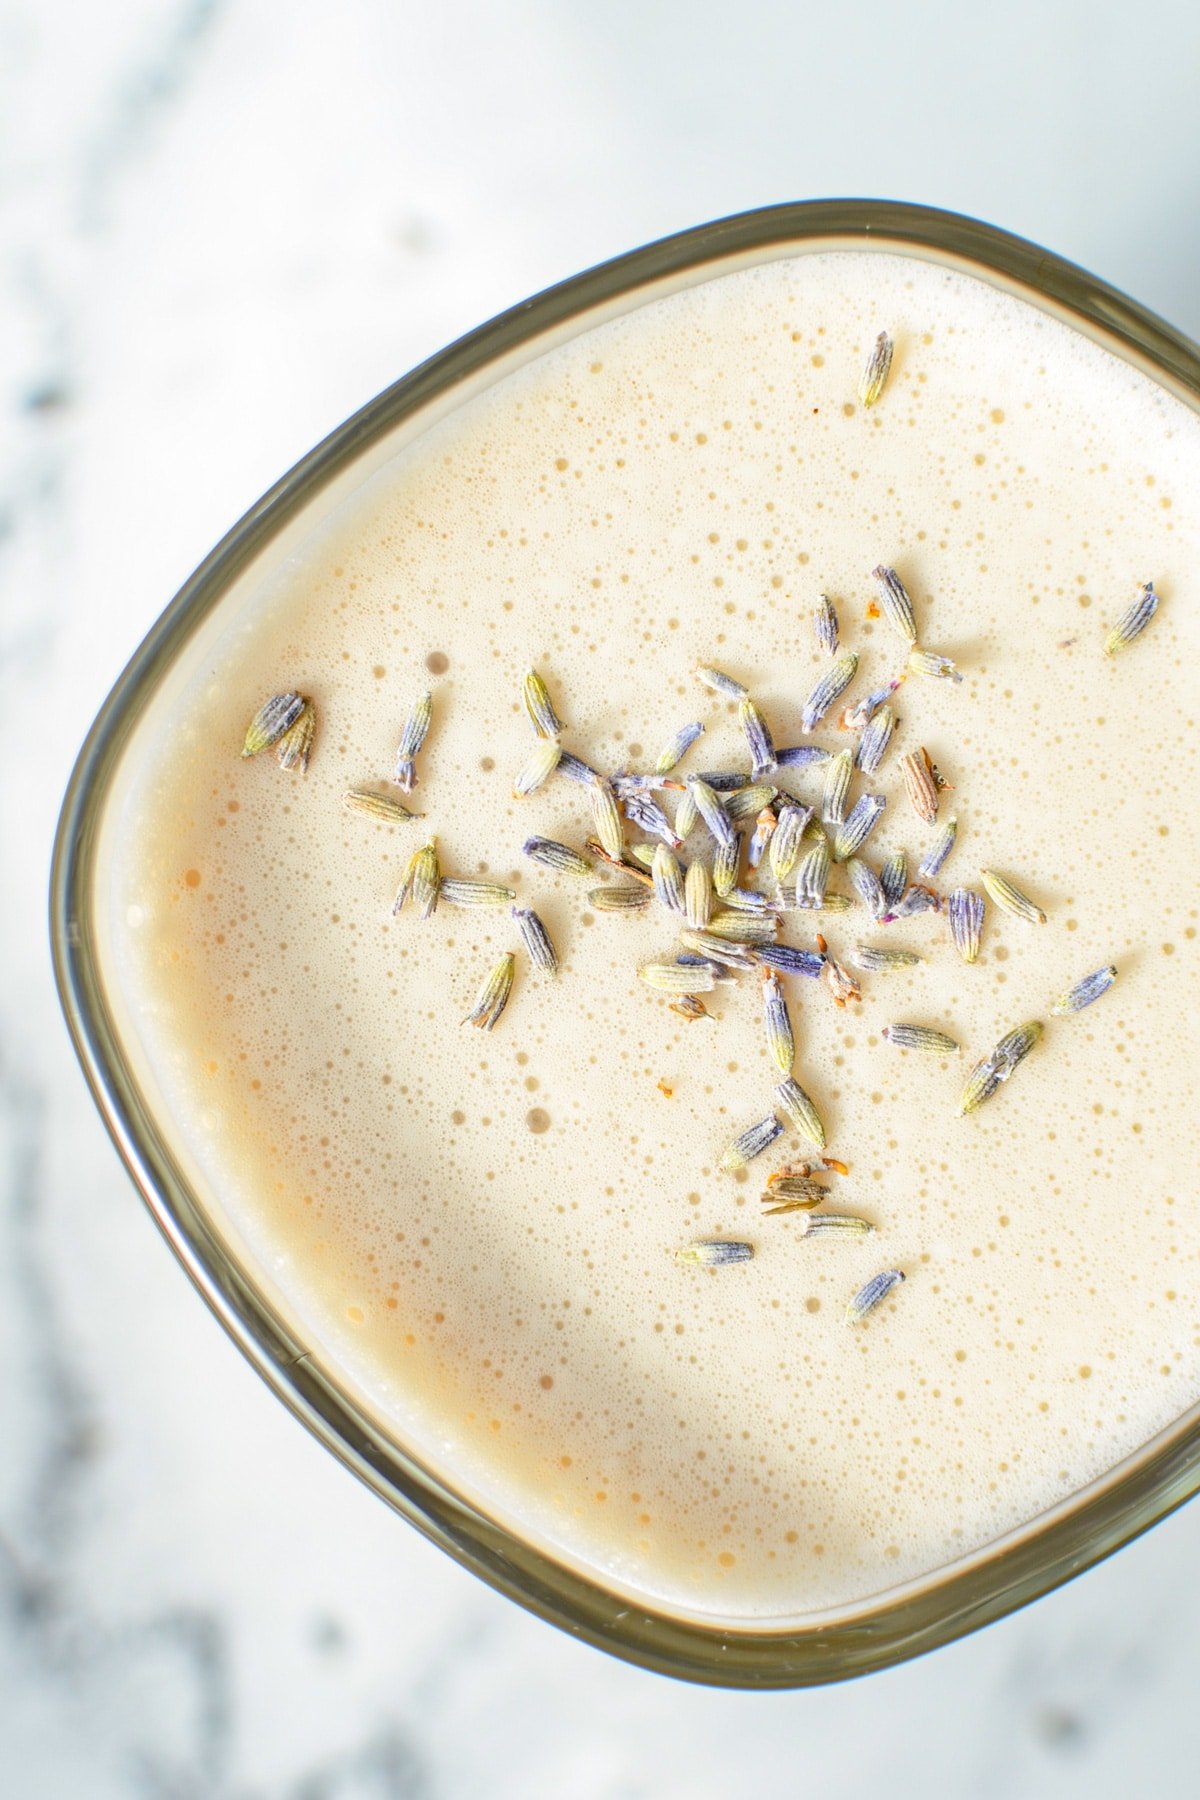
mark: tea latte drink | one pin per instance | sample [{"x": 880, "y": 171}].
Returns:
[{"x": 478, "y": 1232}]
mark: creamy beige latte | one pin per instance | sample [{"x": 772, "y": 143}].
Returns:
[{"x": 479, "y": 1231}]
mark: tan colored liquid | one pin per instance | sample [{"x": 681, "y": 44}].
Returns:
[{"x": 480, "y": 1231}]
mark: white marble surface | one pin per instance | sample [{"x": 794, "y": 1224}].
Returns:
[{"x": 224, "y": 224}]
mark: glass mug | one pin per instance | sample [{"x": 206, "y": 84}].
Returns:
[{"x": 860, "y": 1637}]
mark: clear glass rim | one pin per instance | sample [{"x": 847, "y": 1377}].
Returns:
[{"x": 925, "y": 1615}]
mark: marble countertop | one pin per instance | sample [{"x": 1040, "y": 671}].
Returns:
[{"x": 223, "y": 225}]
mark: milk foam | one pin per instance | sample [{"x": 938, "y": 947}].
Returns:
[{"x": 479, "y": 1232}]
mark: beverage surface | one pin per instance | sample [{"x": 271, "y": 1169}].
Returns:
[{"x": 480, "y": 1230}]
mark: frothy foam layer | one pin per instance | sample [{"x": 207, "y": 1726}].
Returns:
[{"x": 480, "y": 1231}]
